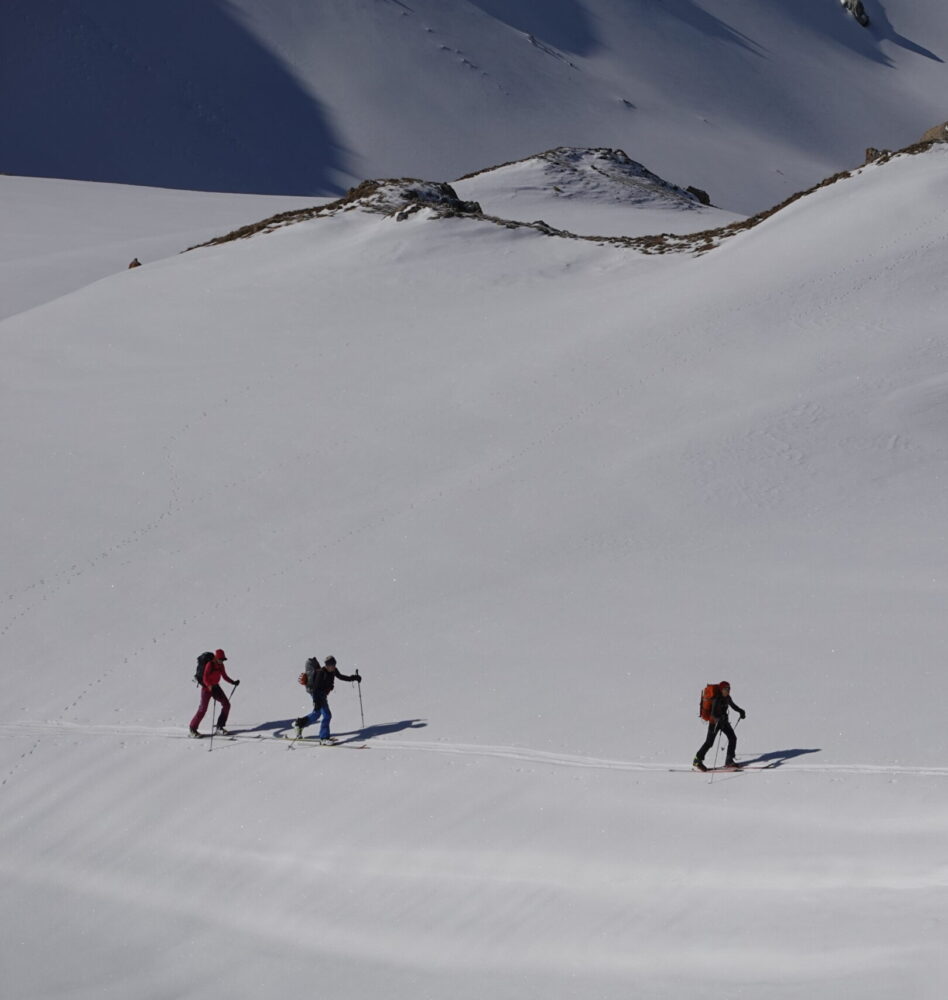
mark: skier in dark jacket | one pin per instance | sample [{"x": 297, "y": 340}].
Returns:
[
  {"x": 719, "y": 723},
  {"x": 320, "y": 680}
]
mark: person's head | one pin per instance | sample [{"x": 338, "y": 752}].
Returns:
[
  {"x": 725, "y": 687},
  {"x": 219, "y": 654},
  {"x": 330, "y": 661}
]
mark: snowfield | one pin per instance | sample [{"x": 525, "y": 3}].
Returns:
[
  {"x": 538, "y": 491},
  {"x": 62, "y": 235}
]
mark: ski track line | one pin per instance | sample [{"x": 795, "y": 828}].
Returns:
[{"x": 36, "y": 730}]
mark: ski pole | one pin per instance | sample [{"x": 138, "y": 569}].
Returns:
[
  {"x": 210, "y": 745},
  {"x": 717, "y": 749},
  {"x": 359, "y": 686}
]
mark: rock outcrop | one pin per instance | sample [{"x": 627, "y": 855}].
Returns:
[{"x": 938, "y": 133}]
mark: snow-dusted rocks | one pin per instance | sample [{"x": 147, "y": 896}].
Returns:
[
  {"x": 590, "y": 192},
  {"x": 590, "y": 174},
  {"x": 401, "y": 198}
]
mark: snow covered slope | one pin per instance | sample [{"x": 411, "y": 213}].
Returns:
[
  {"x": 61, "y": 235},
  {"x": 749, "y": 101},
  {"x": 538, "y": 491},
  {"x": 592, "y": 192}
]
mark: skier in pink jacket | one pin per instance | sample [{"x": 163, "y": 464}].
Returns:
[{"x": 214, "y": 670}]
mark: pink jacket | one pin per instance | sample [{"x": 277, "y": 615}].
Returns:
[{"x": 213, "y": 673}]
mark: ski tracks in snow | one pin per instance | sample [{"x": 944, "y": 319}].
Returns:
[
  {"x": 37, "y": 731},
  {"x": 527, "y": 755}
]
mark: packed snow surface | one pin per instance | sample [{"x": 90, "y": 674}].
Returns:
[{"x": 538, "y": 491}]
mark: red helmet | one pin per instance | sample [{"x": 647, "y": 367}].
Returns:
[
  {"x": 723, "y": 684},
  {"x": 219, "y": 654}
]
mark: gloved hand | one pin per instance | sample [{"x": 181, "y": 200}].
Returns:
[
  {"x": 358, "y": 679},
  {"x": 236, "y": 683},
  {"x": 743, "y": 714}
]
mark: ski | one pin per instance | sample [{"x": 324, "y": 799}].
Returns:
[
  {"x": 724, "y": 769},
  {"x": 221, "y": 736},
  {"x": 314, "y": 741}
]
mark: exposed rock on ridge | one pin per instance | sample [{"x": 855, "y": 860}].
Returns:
[{"x": 401, "y": 198}]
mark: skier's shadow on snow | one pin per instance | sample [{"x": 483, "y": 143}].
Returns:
[
  {"x": 370, "y": 732},
  {"x": 353, "y": 736},
  {"x": 777, "y": 757},
  {"x": 881, "y": 26}
]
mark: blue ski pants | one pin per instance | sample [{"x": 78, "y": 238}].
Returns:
[{"x": 320, "y": 709}]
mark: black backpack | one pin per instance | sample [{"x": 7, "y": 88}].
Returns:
[
  {"x": 203, "y": 660},
  {"x": 312, "y": 669}
]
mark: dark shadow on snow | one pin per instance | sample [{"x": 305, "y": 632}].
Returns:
[
  {"x": 777, "y": 757},
  {"x": 270, "y": 727},
  {"x": 387, "y": 729},
  {"x": 175, "y": 94},
  {"x": 881, "y": 26},
  {"x": 698, "y": 18},
  {"x": 351, "y": 736},
  {"x": 565, "y": 24},
  {"x": 831, "y": 20}
]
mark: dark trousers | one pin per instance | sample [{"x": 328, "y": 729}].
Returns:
[
  {"x": 713, "y": 729},
  {"x": 218, "y": 695}
]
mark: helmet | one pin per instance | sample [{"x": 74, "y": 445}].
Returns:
[
  {"x": 330, "y": 660},
  {"x": 220, "y": 654},
  {"x": 723, "y": 684}
]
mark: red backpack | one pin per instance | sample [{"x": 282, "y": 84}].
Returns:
[{"x": 708, "y": 695}]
